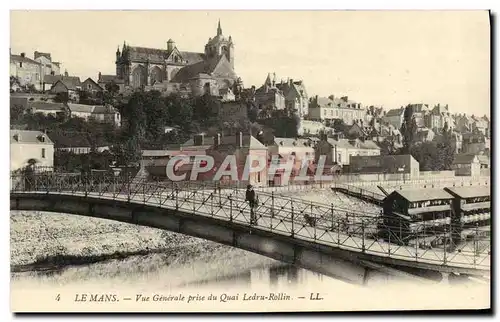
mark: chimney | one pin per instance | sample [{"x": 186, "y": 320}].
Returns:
[
  {"x": 239, "y": 139},
  {"x": 199, "y": 139},
  {"x": 65, "y": 73},
  {"x": 291, "y": 81},
  {"x": 23, "y": 55},
  {"x": 217, "y": 140},
  {"x": 99, "y": 77}
]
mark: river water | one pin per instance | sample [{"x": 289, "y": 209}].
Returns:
[{"x": 227, "y": 277}]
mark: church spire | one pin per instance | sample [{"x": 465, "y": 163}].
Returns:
[
  {"x": 219, "y": 29},
  {"x": 267, "y": 82}
]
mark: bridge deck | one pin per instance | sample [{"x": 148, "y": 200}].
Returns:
[{"x": 286, "y": 218}]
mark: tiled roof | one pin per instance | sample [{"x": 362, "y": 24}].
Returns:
[
  {"x": 413, "y": 195},
  {"x": 369, "y": 144},
  {"x": 110, "y": 78},
  {"x": 344, "y": 143},
  {"x": 69, "y": 139},
  {"x": 464, "y": 158},
  {"x": 92, "y": 81},
  {"x": 94, "y": 109},
  {"x": 51, "y": 79},
  {"x": 192, "y": 57},
  {"x": 395, "y": 112},
  {"x": 22, "y": 59},
  {"x": 46, "y": 55},
  {"x": 46, "y": 106},
  {"x": 81, "y": 108},
  {"x": 104, "y": 109},
  {"x": 33, "y": 137},
  {"x": 191, "y": 71},
  {"x": 74, "y": 139},
  {"x": 324, "y": 102},
  {"x": 297, "y": 87},
  {"x": 341, "y": 143},
  {"x": 154, "y": 55},
  {"x": 470, "y": 191},
  {"x": 71, "y": 82}
]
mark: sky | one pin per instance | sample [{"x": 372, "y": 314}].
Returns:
[{"x": 382, "y": 58}]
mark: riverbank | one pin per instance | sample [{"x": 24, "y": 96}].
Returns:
[{"x": 48, "y": 243}]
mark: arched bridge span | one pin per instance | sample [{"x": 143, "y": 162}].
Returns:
[{"x": 323, "y": 238}]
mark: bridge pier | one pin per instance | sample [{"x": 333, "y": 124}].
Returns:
[{"x": 445, "y": 278}]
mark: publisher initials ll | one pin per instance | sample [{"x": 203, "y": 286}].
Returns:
[{"x": 315, "y": 297}]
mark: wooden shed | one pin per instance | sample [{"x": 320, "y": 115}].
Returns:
[{"x": 416, "y": 216}]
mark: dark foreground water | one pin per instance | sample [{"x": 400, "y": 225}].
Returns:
[{"x": 234, "y": 275}]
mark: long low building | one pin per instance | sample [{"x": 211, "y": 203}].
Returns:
[{"x": 430, "y": 218}]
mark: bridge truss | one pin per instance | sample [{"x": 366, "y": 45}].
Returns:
[{"x": 327, "y": 224}]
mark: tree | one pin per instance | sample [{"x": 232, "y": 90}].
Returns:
[
  {"x": 205, "y": 109},
  {"x": 180, "y": 112},
  {"x": 127, "y": 153},
  {"x": 16, "y": 113},
  {"x": 134, "y": 112},
  {"x": 445, "y": 149},
  {"x": 13, "y": 80},
  {"x": 282, "y": 124},
  {"x": 408, "y": 130},
  {"x": 426, "y": 154},
  {"x": 387, "y": 147},
  {"x": 156, "y": 116},
  {"x": 339, "y": 126},
  {"x": 112, "y": 88}
]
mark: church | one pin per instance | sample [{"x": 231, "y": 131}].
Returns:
[{"x": 200, "y": 72}]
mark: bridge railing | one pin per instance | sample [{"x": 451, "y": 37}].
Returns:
[{"x": 442, "y": 242}]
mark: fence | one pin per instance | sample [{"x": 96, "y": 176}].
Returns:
[{"x": 357, "y": 231}]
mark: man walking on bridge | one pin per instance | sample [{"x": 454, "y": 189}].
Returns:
[{"x": 252, "y": 201}]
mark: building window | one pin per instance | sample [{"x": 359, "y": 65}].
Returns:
[
  {"x": 43, "y": 153},
  {"x": 340, "y": 158},
  {"x": 21, "y": 64},
  {"x": 258, "y": 176}
]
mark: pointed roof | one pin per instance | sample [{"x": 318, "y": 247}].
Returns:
[
  {"x": 268, "y": 79},
  {"x": 219, "y": 29}
]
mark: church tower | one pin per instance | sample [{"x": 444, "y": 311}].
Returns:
[{"x": 219, "y": 46}]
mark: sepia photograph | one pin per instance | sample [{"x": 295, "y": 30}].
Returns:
[{"x": 210, "y": 161}]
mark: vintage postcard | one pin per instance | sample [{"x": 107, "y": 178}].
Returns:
[{"x": 249, "y": 161}]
